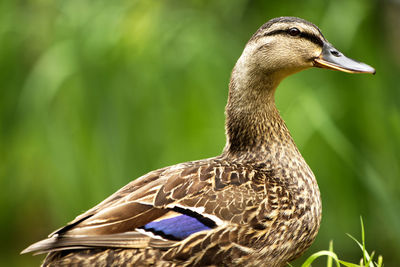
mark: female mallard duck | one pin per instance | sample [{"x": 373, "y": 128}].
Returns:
[{"x": 257, "y": 204}]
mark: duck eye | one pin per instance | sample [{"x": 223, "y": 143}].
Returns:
[{"x": 294, "y": 31}]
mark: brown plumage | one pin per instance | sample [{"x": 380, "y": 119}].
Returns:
[{"x": 257, "y": 203}]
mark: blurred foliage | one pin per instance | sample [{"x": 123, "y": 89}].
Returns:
[{"x": 95, "y": 93}]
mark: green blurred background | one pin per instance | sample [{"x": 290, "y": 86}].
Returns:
[{"x": 96, "y": 93}]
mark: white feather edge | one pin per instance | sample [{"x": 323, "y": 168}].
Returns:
[{"x": 150, "y": 234}]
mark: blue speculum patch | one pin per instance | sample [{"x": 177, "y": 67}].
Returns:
[{"x": 176, "y": 228}]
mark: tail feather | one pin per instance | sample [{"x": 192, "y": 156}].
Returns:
[{"x": 123, "y": 240}]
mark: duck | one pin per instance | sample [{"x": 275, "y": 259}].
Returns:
[{"x": 256, "y": 204}]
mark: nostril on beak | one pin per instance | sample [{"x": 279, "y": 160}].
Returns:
[{"x": 335, "y": 53}]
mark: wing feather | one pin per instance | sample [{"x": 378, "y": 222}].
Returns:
[
  {"x": 204, "y": 190},
  {"x": 132, "y": 239}
]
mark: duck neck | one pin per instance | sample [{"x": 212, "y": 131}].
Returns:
[{"x": 254, "y": 126}]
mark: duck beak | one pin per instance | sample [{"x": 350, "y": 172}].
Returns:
[{"x": 332, "y": 59}]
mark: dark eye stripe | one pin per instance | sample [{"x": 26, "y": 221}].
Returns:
[
  {"x": 309, "y": 36},
  {"x": 313, "y": 38}
]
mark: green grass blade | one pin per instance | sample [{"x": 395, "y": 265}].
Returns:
[
  {"x": 363, "y": 240},
  {"x": 365, "y": 261},
  {"x": 370, "y": 262},
  {"x": 316, "y": 255},
  {"x": 329, "y": 260},
  {"x": 380, "y": 261},
  {"x": 366, "y": 257},
  {"x": 348, "y": 264}
]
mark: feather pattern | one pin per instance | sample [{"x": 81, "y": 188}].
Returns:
[{"x": 257, "y": 203}]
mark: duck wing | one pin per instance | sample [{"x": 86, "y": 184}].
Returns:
[{"x": 164, "y": 207}]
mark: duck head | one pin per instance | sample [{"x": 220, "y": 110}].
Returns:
[
  {"x": 286, "y": 45},
  {"x": 279, "y": 48}
]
